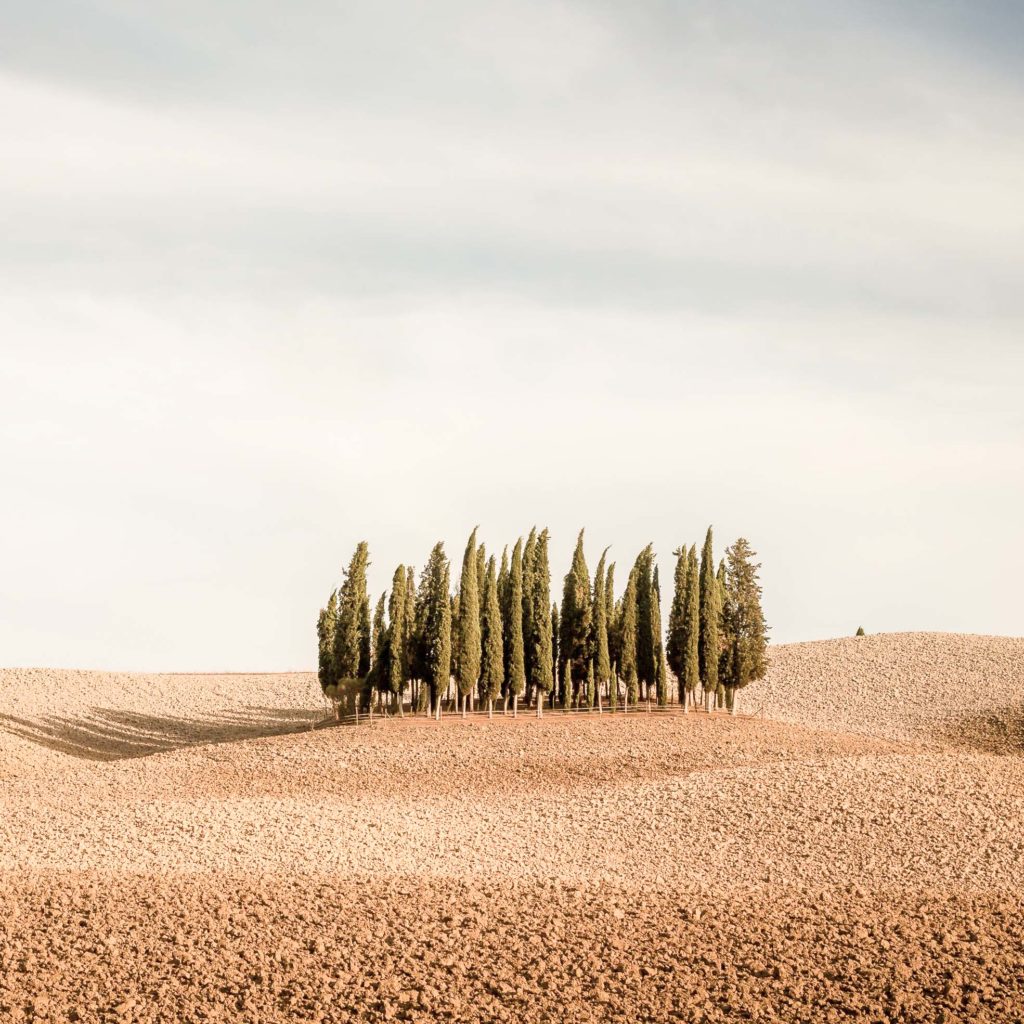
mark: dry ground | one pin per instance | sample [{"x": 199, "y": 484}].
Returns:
[{"x": 190, "y": 848}]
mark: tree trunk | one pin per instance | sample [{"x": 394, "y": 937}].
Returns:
[
  {"x": 515, "y": 705},
  {"x": 490, "y": 707},
  {"x": 540, "y": 704}
]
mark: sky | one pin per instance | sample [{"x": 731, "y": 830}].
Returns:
[{"x": 277, "y": 278}]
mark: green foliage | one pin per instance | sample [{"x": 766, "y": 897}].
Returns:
[
  {"x": 591, "y": 695},
  {"x": 437, "y": 622},
  {"x": 513, "y": 625},
  {"x": 646, "y": 640},
  {"x": 576, "y": 617},
  {"x": 467, "y": 644},
  {"x": 492, "y": 667},
  {"x": 352, "y": 635},
  {"x": 397, "y": 655},
  {"x": 745, "y": 632},
  {"x": 691, "y": 624},
  {"x": 627, "y": 664},
  {"x": 708, "y": 641},
  {"x": 675, "y": 644},
  {"x": 541, "y": 662},
  {"x": 376, "y": 677},
  {"x": 660, "y": 673},
  {"x": 325, "y": 627},
  {"x": 602, "y": 656},
  {"x": 860, "y": 631}
]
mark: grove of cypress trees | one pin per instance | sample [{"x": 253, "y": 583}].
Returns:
[
  {"x": 744, "y": 626},
  {"x": 708, "y": 645},
  {"x": 467, "y": 643},
  {"x": 514, "y": 628},
  {"x": 602, "y": 658},
  {"x": 492, "y": 661},
  {"x": 627, "y": 665},
  {"x": 691, "y": 627},
  {"x": 576, "y": 620}
]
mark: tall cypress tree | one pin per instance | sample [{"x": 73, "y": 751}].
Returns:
[
  {"x": 492, "y": 662},
  {"x": 437, "y": 625},
  {"x": 675, "y": 645},
  {"x": 352, "y": 635},
  {"x": 467, "y": 645},
  {"x": 325, "y": 627},
  {"x": 707, "y": 646},
  {"x": 529, "y": 611},
  {"x": 722, "y": 636},
  {"x": 503, "y": 599},
  {"x": 691, "y": 626},
  {"x": 646, "y": 659},
  {"x": 602, "y": 658},
  {"x": 745, "y": 629},
  {"x": 376, "y": 678},
  {"x": 397, "y": 654},
  {"x": 481, "y": 581},
  {"x": 577, "y": 620},
  {"x": 542, "y": 662},
  {"x": 612, "y": 611},
  {"x": 627, "y": 666},
  {"x": 514, "y": 627},
  {"x": 660, "y": 674},
  {"x": 556, "y": 632}
]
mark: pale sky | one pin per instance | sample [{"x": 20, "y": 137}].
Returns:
[{"x": 276, "y": 278}]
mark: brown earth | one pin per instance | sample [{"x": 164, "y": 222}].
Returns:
[{"x": 191, "y": 848}]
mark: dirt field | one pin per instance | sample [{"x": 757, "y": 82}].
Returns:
[{"x": 191, "y": 848}]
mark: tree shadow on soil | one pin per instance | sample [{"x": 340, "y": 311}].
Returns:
[
  {"x": 109, "y": 734},
  {"x": 999, "y": 732}
]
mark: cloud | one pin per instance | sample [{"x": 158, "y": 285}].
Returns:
[{"x": 276, "y": 279}]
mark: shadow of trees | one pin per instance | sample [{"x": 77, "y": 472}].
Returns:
[
  {"x": 110, "y": 734},
  {"x": 989, "y": 732}
]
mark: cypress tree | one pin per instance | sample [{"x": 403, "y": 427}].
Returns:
[
  {"x": 529, "y": 616},
  {"x": 628, "y": 641},
  {"x": 325, "y": 627},
  {"x": 707, "y": 646},
  {"x": 577, "y": 619},
  {"x": 481, "y": 582},
  {"x": 467, "y": 645},
  {"x": 542, "y": 661},
  {"x": 723, "y": 636},
  {"x": 556, "y": 627},
  {"x": 691, "y": 626},
  {"x": 675, "y": 645},
  {"x": 409, "y": 633},
  {"x": 514, "y": 627},
  {"x": 376, "y": 679},
  {"x": 492, "y": 661},
  {"x": 352, "y": 635},
  {"x": 437, "y": 625},
  {"x": 646, "y": 655},
  {"x": 503, "y": 589},
  {"x": 660, "y": 675},
  {"x": 397, "y": 656},
  {"x": 602, "y": 658},
  {"x": 612, "y": 611},
  {"x": 747, "y": 635},
  {"x": 591, "y": 685},
  {"x": 567, "y": 685}
]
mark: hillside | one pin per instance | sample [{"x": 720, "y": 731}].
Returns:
[{"x": 191, "y": 847}]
